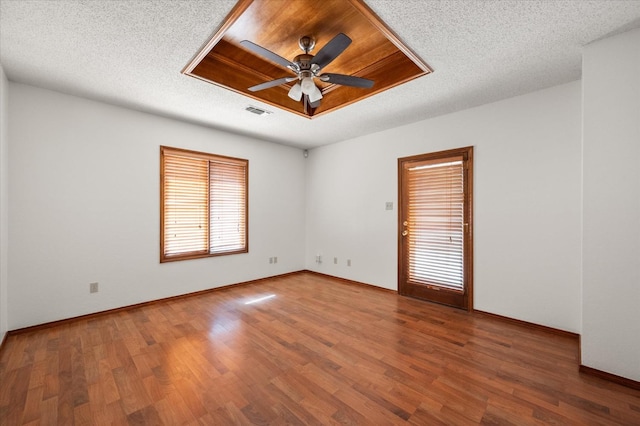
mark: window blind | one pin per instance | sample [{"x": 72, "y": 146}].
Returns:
[
  {"x": 436, "y": 223},
  {"x": 227, "y": 206},
  {"x": 204, "y": 204}
]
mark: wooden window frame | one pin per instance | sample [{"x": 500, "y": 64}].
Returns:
[{"x": 212, "y": 159}]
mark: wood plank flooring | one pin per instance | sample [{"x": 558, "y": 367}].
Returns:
[{"x": 301, "y": 349}]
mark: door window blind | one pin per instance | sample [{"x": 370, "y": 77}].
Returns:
[{"x": 436, "y": 223}]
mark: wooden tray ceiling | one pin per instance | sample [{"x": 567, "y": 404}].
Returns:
[{"x": 375, "y": 53}]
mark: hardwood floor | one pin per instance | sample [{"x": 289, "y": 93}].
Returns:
[{"x": 314, "y": 350}]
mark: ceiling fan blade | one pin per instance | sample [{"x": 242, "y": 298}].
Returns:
[
  {"x": 347, "y": 80},
  {"x": 272, "y": 83},
  {"x": 265, "y": 53},
  {"x": 331, "y": 50}
]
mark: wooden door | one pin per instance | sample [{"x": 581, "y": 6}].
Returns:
[{"x": 435, "y": 231}]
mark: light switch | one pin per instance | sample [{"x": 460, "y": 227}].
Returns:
[{"x": 388, "y": 205}]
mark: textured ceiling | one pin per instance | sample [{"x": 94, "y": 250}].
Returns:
[{"x": 131, "y": 53}]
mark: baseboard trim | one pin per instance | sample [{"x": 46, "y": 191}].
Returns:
[
  {"x": 488, "y": 314},
  {"x": 348, "y": 281},
  {"x": 4, "y": 339},
  {"x": 139, "y": 305},
  {"x": 530, "y": 324},
  {"x": 633, "y": 384}
]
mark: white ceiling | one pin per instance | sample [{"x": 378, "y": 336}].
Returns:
[{"x": 132, "y": 52}]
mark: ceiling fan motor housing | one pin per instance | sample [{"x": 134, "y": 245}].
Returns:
[{"x": 303, "y": 61}]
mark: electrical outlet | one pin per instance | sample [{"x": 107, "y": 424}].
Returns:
[
  {"x": 93, "y": 287},
  {"x": 348, "y": 262},
  {"x": 335, "y": 260},
  {"x": 271, "y": 260},
  {"x": 388, "y": 205},
  {"x": 275, "y": 259}
]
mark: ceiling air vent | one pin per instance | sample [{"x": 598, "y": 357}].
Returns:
[{"x": 257, "y": 111}]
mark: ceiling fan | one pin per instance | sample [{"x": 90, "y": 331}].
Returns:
[{"x": 307, "y": 67}]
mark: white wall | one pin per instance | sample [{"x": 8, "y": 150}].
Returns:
[
  {"x": 611, "y": 247},
  {"x": 84, "y": 207},
  {"x": 4, "y": 205},
  {"x": 527, "y": 203}
]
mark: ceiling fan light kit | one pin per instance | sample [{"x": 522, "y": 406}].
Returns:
[
  {"x": 307, "y": 85},
  {"x": 314, "y": 94},
  {"x": 248, "y": 55},
  {"x": 296, "y": 92}
]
